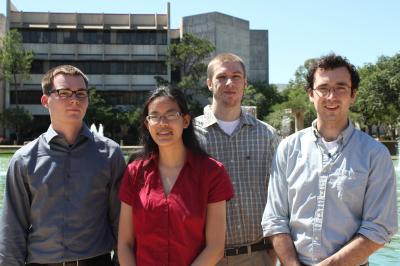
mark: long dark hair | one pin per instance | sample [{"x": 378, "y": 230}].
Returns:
[{"x": 188, "y": 136}]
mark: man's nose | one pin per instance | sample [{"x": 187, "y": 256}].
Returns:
[
  {"x": 74, "y": 98},
  {"x": 331, "y": 93},
  {"x": 228, "y": 81}
]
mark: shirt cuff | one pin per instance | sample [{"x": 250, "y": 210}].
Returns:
[
  {"x": 376, "y": 232},
  {"x": 274, "y": 227}
]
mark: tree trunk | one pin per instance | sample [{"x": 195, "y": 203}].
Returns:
[
  {"x": 3, "y": 129},
  {"x": 393, "y": 132},
  {"x": 370, "y": 130},
  {"x": 15, "y": 89},
  {"x": 18, "y": 136}
]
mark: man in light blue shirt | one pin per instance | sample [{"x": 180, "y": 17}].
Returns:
[{"x": 332, "y": 192}]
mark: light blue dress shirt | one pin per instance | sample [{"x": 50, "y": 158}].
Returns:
[{"x": 323, "y": 200}]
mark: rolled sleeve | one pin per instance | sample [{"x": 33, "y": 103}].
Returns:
[
  {"x": 14, "y": 221},
  {"x": 379, "y": 221},
  {"x": 275, "y": 219}
]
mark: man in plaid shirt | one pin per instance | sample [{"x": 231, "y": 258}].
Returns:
[{"x": 245, "y": 146}]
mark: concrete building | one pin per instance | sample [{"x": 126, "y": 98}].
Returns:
[
  {"x": 120, "y": 53},
  {"x": 2, "y": 82},
  {"x": 231, "y": 34}
]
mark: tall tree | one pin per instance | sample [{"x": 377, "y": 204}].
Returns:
[
  {"x": 187, "y": 59},
  {"x": 295, "y": 97},
  {"x": 263, "y": 96},
  {"x": 378, "y": 98},
  {"x": 98, "y": 111},
  {"x": 119, "y": 123},
  {"x": 17, "y": 119},
  {"x": 15, "y": 61}
]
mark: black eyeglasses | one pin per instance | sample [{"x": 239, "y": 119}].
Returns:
[
  {"x": 67, "y": 93},
  {"x": 155, "y": 119},
  {"x": 324, "y": 91}
]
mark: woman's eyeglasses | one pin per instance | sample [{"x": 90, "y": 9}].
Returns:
[{"x": 155, "y": 119}]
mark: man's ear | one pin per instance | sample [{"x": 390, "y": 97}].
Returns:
[
  {"x": 209, "y": 84},
  {"x": 353, "y": 96},
  {"x": 44, "y": 100},
  {"x": 310, "y": 95}
]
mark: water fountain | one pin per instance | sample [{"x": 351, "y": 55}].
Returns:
[
  {"x": 101, "y": 130},
  {"x": 93, "y": 128}
]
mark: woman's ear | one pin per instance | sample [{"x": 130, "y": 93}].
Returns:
[{"x": 186, "y": 120}]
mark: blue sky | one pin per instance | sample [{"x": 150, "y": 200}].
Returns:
[{"x": 361, "y": 30}]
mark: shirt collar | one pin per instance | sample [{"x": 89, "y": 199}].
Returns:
[
  {"x": 210, "y": 119},
  {"x": 190, "y": 159},
  {"x": 51, "y": 133},
  {"x": 344, "y": 135}
]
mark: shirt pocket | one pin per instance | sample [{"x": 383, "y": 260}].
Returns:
[{"x": 349, "y": 185}]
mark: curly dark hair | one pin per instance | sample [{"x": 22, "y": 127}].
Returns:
[
  {"x": 332, "y": 61},
  {"x": 189, "y": 137}
]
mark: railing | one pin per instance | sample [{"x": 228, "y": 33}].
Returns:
[{"x": 127, "y": 150}]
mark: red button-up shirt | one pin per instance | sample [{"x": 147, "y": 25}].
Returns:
[{"x": 170, "y": 230}]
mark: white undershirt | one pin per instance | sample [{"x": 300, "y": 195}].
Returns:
[
  {"x": 331, "y": 146},
  {"x": 228, "y": 126}
]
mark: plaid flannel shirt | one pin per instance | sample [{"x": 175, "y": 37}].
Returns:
[{"x": 247, "y": 155}]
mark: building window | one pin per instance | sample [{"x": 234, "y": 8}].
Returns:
[
  {"x": 105, "y": 67},
  {"x": 124, "y": 97},
  {"x": 26, "y": 97},
  {"x": 140, "y": 37},
  {"x": 162, "y": 37},
  {"x": 123, "y": 37},
  {"x": 69, "y": 37},
  {"x": 37, "y": 67},
  {"x": 111, "y": 97}
]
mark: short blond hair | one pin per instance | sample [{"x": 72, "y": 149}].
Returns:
[
  {"x": 221, "y": 58},
  {"x": 47, "y": 80}
]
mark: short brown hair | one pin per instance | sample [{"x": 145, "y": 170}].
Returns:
[
  {"x": 47, "y": 80},
  {"x": 221, "y": 58}
]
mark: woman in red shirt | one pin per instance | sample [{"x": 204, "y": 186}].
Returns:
[{"x": 173, "y": 194}]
